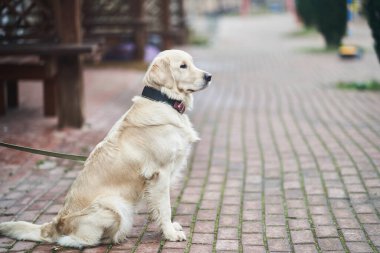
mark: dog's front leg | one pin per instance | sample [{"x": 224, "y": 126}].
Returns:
[{"x": 158, "y": 195}]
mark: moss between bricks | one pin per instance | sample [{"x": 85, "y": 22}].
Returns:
[{"x": 372, "y": 85}]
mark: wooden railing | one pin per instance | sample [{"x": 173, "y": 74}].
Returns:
[{"x": 50, "y": 31}]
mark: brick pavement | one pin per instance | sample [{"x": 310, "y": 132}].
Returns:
[{"x": 287, "y": 163}]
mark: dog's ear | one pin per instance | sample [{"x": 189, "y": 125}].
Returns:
[{"x": 160, "y": 74}]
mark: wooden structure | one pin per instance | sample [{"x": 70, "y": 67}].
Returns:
[
  {"x": 46, "y": 36},
  {"x": 115, "y": 21},
  {"x": 50, "y": 32},
  {"x": 167, "y": 19}
]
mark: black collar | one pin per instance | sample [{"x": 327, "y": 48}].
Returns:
[{"x": 157, "y": 95}]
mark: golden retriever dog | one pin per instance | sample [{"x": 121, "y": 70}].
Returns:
[{"x": 136, "y": 161}]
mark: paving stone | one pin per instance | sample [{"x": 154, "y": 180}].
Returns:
[
  {"x": 176, "y": 245},
  {"x": 169, "y": 250},
  {"x": 23, "y": 246},
  {"x": 147, "y": 248},
  {"x": 353, "y": 235},
  {"x": 275, "y": 220},
  {"x": 99, "y": 249},
  {"x": 230, "y": 245},
  {"x": 326, "y": 231},
  {"x": 375, "y": 240},
  {"x": 205, "y": 215},
  {"x": 253, "y": 239},
  {"x": 321, "y": 210},
  {"x": 330, "y": 244},
  {"x": 359, "y": 247},
  {"x": 297, "y": 224},
  {"x": 322, "y": 220},
  {"x": 184, "y": 220},
  {"x": 227, "y": 233},
  {"x": 369, "y": 218},
  {"x": 196, "y": 248},
  {"x": 372, "y": 229},
  {"x": 229, "y": 221},
  {"x": 364, "y": 209},
  {"x": 276, "y": 232},
  {"x": 302, "y": 236},
  {"x": 343, "y": 213},
  {"x": 230, "y": 209},
  {"x": 297, "y": 213},
  {"x": 278, "y": 245},
  {"x": 252, "y": 227},
  {"x": 295, "y": 203},
  {"x": 204, "y": 227},
  {"x": 258, "y": 249},
  {"x": 305, "y": 248},
  {"x": 186, "y": 208},
  {"x": 202, "y": 238}
]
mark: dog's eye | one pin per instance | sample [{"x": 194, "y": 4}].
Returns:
[{"x": 183, "y": 66}]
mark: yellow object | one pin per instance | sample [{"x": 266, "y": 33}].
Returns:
[{"x": 348, "y": 50}]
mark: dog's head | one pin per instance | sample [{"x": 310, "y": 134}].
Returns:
[{"x": 174, "y": 73}]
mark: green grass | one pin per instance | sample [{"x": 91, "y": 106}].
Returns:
[
  {"x": 304, "y": 32},
  {"x": 319, "y": 50},
  {"x": 198, "y": 40},
  {"x": 372, "y": 85}
]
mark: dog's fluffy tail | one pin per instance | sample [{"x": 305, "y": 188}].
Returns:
[{"x": 22, "y": 230}]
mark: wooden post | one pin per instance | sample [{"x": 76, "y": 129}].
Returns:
[
  {"x": 12, "y": 93},
  {"x": 50, "y": 95},
  {"x": 184, "y": 32},
  {"x": 3, "y": 98},
  {"x": 50, "y": 89},
  {"x": 140, "y": 29},
  {"x": 165, "y": 19},
  {"x": 69, "y": 77}
]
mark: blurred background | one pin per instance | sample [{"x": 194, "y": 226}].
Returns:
[{"x": 51, "y": 40}]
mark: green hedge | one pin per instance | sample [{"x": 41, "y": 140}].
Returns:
[
  {"x": 331, "y": 16},
  {"x": 306, "y": 12},
  {"x": 328, "y": 16},
  {"x": 373, "y": 16}
]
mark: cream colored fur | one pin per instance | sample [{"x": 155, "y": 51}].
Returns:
[{"x": 136, "y": 161}]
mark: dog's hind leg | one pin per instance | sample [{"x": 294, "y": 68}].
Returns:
[
  {"x": 86, "y": 227},
  {"x": 71, "y": 241},
  {"x": 124, "y": 213},
  {"x": 107, "y": 219}
]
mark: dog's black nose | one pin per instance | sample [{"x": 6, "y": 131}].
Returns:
[{"x": 207, "y": 77}]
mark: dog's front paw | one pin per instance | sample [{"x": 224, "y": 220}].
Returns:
[
  {"x": 177, "y": 226},
  {"x": 175, "y": 236}
]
